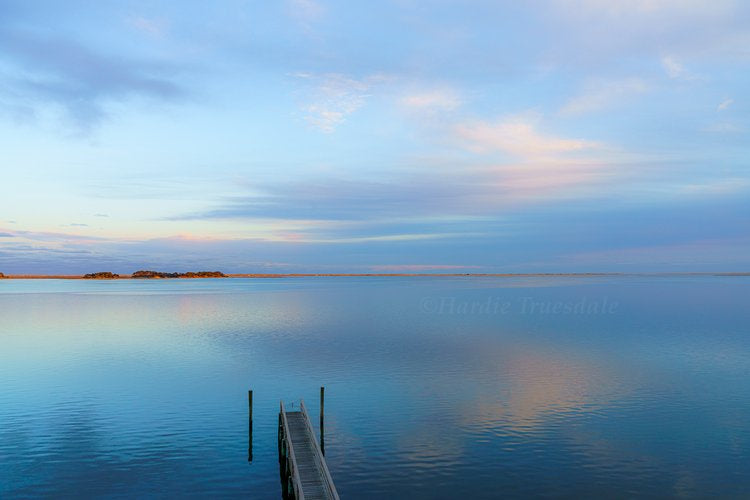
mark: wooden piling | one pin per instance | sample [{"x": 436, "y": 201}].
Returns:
[
  {"x": 250, "y": 426},
  {"x": 322, "y": 420}
]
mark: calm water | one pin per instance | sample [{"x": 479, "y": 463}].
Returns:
[{"x": 436, "y": 388}]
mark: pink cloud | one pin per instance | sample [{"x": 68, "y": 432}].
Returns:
[{"x": 517, "y": 137}]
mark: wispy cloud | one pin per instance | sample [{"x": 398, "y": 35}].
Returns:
[
  {"x": 675, "y": 69},
  {"x": 451, "y": 203},
  {"x": 53, "y": 236},
  {"x": 605, "y": 33},
  {"x": 382, "y": 238},
  {"x": 442, "y": 239},
  {"x": 79, "y": 80},
  {"x": 332, "y": 97},
  {"x": 40, "y": 254},
  {"x": 336, "y": 199},
  {"x": 724, "y": 105},
  {"x": 518, "y": 137},
  {"x": 713, "y": 187},
  {"x": 604, "y": 94},
  {"x": 433, "y": 100}
]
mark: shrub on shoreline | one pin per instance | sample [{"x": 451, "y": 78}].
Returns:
[
  {"x": 157, "y": 274},
  {"x": 101, "y": 276}
]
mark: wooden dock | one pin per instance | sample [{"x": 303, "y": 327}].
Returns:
[{"x": 304, "y": 473}]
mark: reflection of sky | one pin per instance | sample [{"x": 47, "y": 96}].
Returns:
[{"x": 154, "y": 384}]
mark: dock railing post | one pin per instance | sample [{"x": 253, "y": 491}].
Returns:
[
  {"x": 250, "y": 426},
  {"x": 322, "y": 420}
]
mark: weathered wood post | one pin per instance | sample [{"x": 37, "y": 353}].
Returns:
[
  {"x": 250, "y": 426},
  {"x": 322, "y": 420}
]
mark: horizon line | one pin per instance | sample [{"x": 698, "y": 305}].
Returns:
[{"x": 426, "y": 275}]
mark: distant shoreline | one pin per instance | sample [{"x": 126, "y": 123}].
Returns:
[{"x": 354, "y": 275}]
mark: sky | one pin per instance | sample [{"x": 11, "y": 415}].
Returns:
[{"x": 392, "y": 136}]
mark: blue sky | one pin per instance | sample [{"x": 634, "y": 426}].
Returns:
[{"x": 403, "y": 135}]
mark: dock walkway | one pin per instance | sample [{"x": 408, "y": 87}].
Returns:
[{"x": 304, "y": 471}]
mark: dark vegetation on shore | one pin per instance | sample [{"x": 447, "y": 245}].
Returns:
[
  {"x": 2, "y": 276},
  {"x": 154, "y": 275},
  {"x": 101, "y": 276},
  {"x": 157, "y": 274}
]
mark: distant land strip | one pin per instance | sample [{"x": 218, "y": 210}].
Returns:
[
  {"x": 191, "y": 275},
  {"x": 479, "y": 275}
]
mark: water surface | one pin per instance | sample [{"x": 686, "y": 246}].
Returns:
[{"x": 436, "y": 387}]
